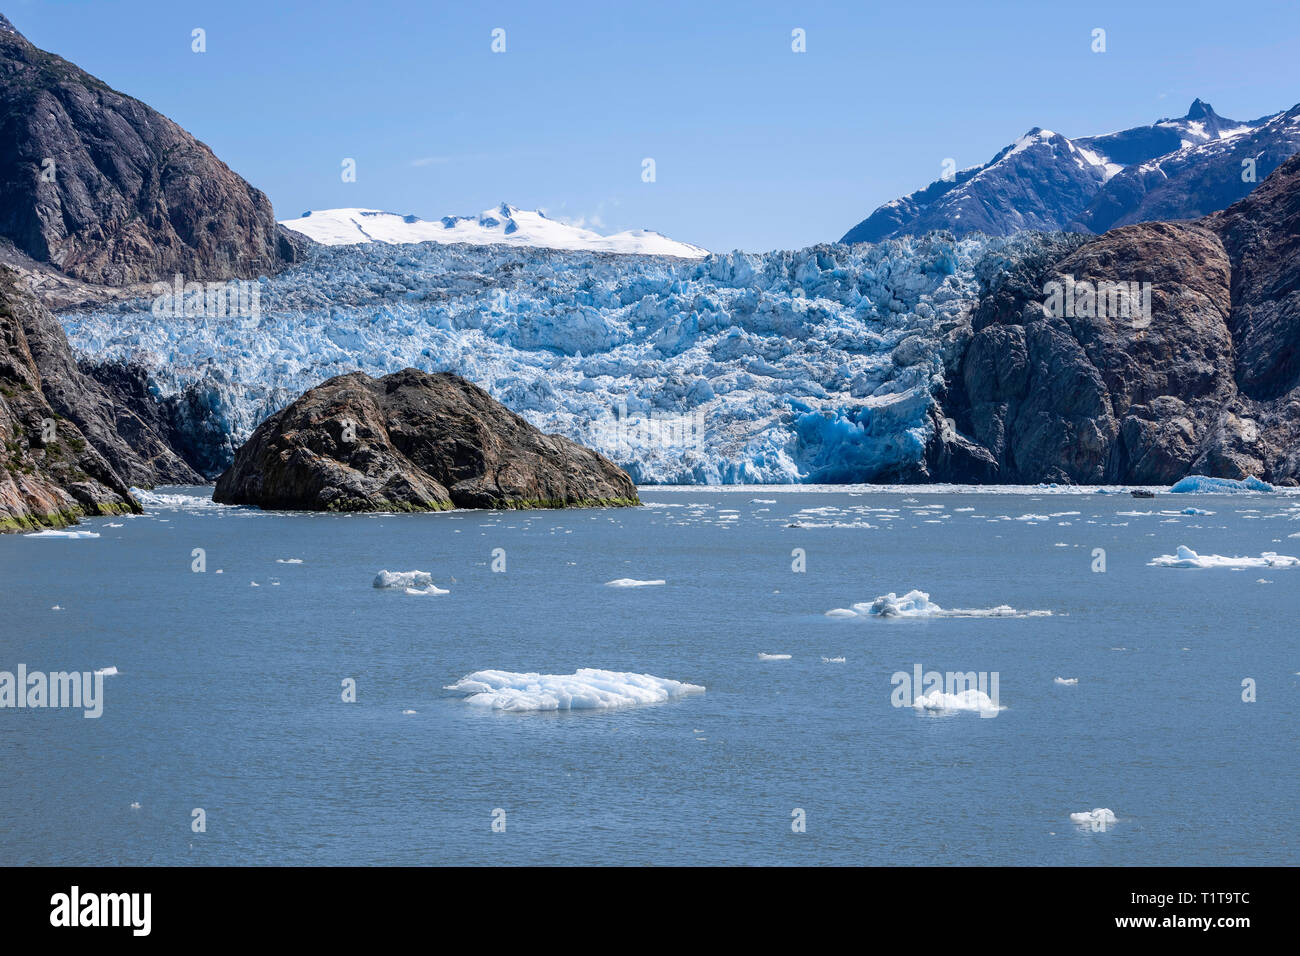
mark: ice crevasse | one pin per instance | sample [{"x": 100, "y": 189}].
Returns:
[{"x": 815, "y": 365}]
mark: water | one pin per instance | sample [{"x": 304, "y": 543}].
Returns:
[{"x": 228, "y": 696}]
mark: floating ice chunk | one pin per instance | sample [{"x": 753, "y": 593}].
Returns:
[
  {"x": 62, "y": 534},
  {"x": 762, "y": 501},
  {"x": 1200, "y": 484},
  {"x": 1195, "y": 511},
  {"x": 176, "y": 502},
  {"x": 967, "y": 700},
  {"x": 431, "y": 589},
  {"x": 107, "y": 671},
  {"x": 1067, "y": 680},
  {"x": 407, "y": 713},
  {"x": 633, "y": 583},
  {"x": 1187, "y": 558},
  {"x": 773, "y": 657},
  {"x": 288, "y": 560},
  {"x": 403, "y": 579},
  {"x": 918, "y": 604},
  {"x": 841, "y": 612},
  {"x": 587, "y": 689},
  {"x": 1100, "y": 815}
]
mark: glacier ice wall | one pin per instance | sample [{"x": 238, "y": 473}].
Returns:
[{"x": 815, "y": 365}]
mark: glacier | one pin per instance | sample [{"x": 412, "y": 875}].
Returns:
[{"x": 815, "y": 365}]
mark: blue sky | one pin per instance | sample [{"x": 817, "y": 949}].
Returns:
[{"x": 756, "y": 147}]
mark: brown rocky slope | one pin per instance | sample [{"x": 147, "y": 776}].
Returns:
[{"x": 413, "y": 441}]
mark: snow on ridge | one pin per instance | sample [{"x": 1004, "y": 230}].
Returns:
[{"x": 506, "y": 224}]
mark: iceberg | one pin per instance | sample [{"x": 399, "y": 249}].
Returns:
[
  {"x": 62, "y": 534},
  {"x": 1200, "y": 484},
  {"x": 586, "y": 689},
  {"x": 1100, "y": 815},
  {"x": 918, "y": 604},
  {"x": 634, "y": 583},
  {"x": 403, "y": 579},
  {"x": 1185, "y": 557},
  {"x": 968, "y": 700},
  {"x": 773, "y": 657}
]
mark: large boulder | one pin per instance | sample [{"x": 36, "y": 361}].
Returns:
[{"x": 413, "y": 441}]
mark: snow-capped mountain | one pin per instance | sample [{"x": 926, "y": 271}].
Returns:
[
  {"x": 505, "y": 224},
  {"x": 1173, "y": 169}
]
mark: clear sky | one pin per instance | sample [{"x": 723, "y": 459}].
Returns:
[{"x": 755, "y": 146}]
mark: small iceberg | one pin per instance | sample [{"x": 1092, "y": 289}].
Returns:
[
  {"x": 634, "y": 583},
  {"x": 431, "y": 589},
  {"x": 586, "y": 689},
  {"x": 1187, "y": 558},
  {"x": 107, "y": 671},
  {"x": 1068, "y": 681},
  {"x": 62, "y": 534},
  {"x": 403, "y": 579},
  {"x": 288, "y": 560},
  {"x": 918, "y": 604},
  {"x": 1200, "y": 484},
  {"x": 938, "y": 701},
  {"x": 773, "y": 657},
  {"x": 1100, "y": 815}
]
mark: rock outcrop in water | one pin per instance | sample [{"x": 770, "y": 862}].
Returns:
[
  {"x": 51, "y": 471},
  {"x": 1207, "y": 383},
  {"x": 413, "y": 441},
  {"x": 110, "y": 191}
]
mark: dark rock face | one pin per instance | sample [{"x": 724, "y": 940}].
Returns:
[
  {"x": 1207, "y": 381},
  {"x": 1179, "y": 168},
  {"x": 109, "y": 191},
  {"x": 412, "y": 441},
  {"x": 50, "y": 473}
]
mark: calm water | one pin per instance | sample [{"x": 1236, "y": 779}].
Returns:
[{"x": 228, "y": 696}]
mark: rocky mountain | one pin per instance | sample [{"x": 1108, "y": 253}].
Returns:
[
  {"x": 412, "y": 441},
  {"x": 1203, "y": 380},
  {"x": 109, "y": 191},
  {"x": 1177, "y": 168},
  {"x": 50, "y": 474}
]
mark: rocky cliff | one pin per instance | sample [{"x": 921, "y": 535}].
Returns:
[
  {"x": 111, "y": 192},
  {"x": 413, "y": 441},
  {"x": 1200, "y": 376},
  {"x": 50, "y": 474}
]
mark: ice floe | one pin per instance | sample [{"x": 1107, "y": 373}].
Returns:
[
  {"x": 773, "y": 657},
  {"x": 62, "y": 534},
  {"x": 1100, "y": 815},
  {"x": 918, "y": 604},
  {"x": 938, "y": 701},
  {"x": 634, "y": 583},
  {"x": 403, "y": 579},
  {"x": 588, "y": 688},
  {"x": 1187, "y": 558},
  {"x": 1200, "y": 484},
  {"x": 1069, "y": 681}
]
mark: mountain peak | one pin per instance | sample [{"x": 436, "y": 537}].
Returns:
[
  {"x": 7, "y": 27},
  {"x": 1200, "y": 110}
]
